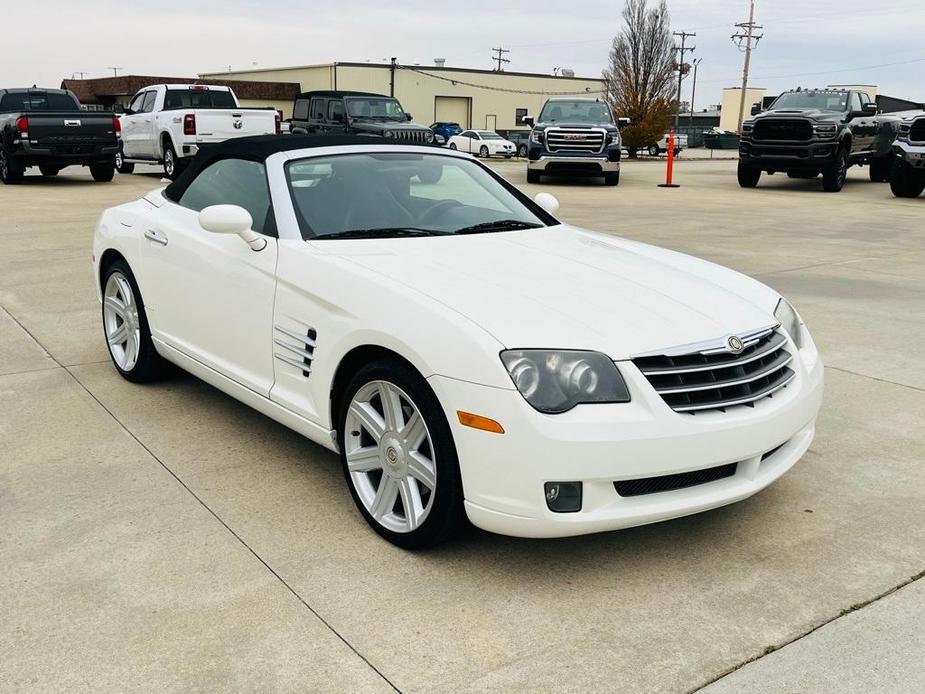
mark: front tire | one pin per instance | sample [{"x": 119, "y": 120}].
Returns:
[
  {"x": 748, "y": 175},
  {"x": 103, "y": 173},
  {"x": 612, "y": 179},
  {"x": 398, "y": 456},
  {"x": 905, "y": 181},
  {"x": 522, "y": 151},
  {"x": 834, "y": 177},
  {"x": 125, "y": 326}
]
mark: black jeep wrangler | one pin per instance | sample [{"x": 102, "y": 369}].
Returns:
[
  {"x": 357, "y": 113},
  {"x": 805, "y": 133}
]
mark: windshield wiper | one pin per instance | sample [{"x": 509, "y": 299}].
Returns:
[
  {"x": 498, "y": 225},
  {"x": 379, "y": 233}
]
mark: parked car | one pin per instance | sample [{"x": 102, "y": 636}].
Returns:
[
  {"x": 356, "y": 113},
  {"x": 47, "y": 128},
  {"x": 464, "y": 352},
  {"x": 168, "y": 124},
  {"x": 574, "y": 137},
  {"x": 805, "y": 133},
  {"x": 521, "y": 140},
  {"x": 482, "y": 143},
  {"x": 446, "y": 130},
  {"x": 656, "y": 148},
  {"x": 907, "y": 179}
]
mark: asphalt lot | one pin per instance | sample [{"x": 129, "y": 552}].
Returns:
[{"x": 166, "y": 538}]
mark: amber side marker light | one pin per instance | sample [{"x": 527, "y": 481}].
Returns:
[{"x": 467, "y": 419}]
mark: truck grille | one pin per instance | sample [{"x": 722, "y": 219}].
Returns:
[
  {"x": 785, "y": 130},
  {"x": 409, "y": 135},
  {"x": 716, "y": 378},
  {"x": 917, "y": 132},
  {"x": 574, "y": 140}
]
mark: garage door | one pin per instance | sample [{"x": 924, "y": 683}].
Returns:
[{"x": 452, "y": 109}]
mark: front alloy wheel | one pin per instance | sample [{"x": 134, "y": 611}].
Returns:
[{"x": 398, "y": 456}]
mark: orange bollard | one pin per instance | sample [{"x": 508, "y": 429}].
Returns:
[{"x": 670, "y": 172}]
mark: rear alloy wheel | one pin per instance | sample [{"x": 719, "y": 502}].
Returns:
[
  {"x": 453, "y": 145},
  {"x": 748, "y": 175},
  {"x": 48, "y": 170},
  {"x": 398, "y": 456},
  {"x": 483, "y": 152},
  {"x": 103, "y": 172},
  {"x": 522, "y": 151},
  {"x": 905, "y": 181},
  {"x": 11, "y": 172},
  {"x": 654, "y": 150},
  {"x": 122, "y": 166},
  {"x": 834, "y": 177},
  {"x": 879, "y": 169},
  {"x": 173, "y": 165},
  {"x": 125, "y": 326}
]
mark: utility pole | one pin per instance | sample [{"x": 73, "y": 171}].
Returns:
[
  {"x": 392, "y": 76},
  {"x": 682, "y": 49},
  {"x": 746, "y": 39},
  {"x": 500, "y": 59},
  {"x": 78, "y": 72},
  {"x": 695, "y": 63},
  {"x": 115, "y": 71}
]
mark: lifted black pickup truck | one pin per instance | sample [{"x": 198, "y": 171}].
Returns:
[
  {"x": 47, "y": 128},
  {"x": 817, "y": 131}
]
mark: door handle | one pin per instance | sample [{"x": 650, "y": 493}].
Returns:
[{"x": 156, "y": 236}]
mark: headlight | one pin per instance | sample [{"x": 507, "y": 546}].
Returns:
[
  {"x": 904, "y": 131},
  {"x": 389, "y": 133},
  {"x": 748, "y": 126},
  {"x": 825, "y": 129},
  {"x": 536, "y": 136},
  {"x": 429, "y": 137},
  {"x": 790, "y": 321},
  {"x": 554, "y": 381}
]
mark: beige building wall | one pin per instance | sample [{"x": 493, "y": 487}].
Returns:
[
  {"x": 284, "y": 106},
  {"x": 729, "y": 114},
  {"x": 419, "y": 93}
]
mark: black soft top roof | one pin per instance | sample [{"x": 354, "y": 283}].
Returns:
[
  {"x": 338, "y": 94},
  {"x": 259, "y": 147}
]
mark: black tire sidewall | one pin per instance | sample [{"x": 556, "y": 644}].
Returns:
[
  {"x": 447, "y": 514},
  {"x": 149, "y": 364}
]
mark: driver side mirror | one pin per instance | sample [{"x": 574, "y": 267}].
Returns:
[
  {"x": 623, "y": 121},
  {"x": 408, "y": 116},
  {"x": 870, "y": 108},
  {"x": 756, "y": 109},
  {"x": 527, "y": 120},
  {"x": 547, "y": 201},
  {"x": 231, "y": 219}
]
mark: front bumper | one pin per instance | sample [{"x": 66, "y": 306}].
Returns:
[
  {"x": 503, "y": 474},
  {"x": 914, "y": 155},
  {"x": 560, "y": 164},
  {"x": 784, "y": 156}
]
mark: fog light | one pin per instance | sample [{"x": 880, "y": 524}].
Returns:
[{"x": 563, "y": 497}]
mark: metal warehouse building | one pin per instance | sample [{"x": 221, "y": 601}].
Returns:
[{"x": 472, "y": 98}]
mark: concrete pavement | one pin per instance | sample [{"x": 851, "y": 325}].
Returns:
[{"x": 167, "y": 538}]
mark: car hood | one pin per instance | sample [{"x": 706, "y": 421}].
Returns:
[
  {"x": 811, "y": 113},
  {"x": 610, "y": 127},
  {"x": 564, "y": 287}
]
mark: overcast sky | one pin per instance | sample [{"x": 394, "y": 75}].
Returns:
[{"x": 807, "y": 43}]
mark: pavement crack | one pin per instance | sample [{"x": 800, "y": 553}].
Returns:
[
  {"x": 776, "y": 647},
  {"x": 875, "y": 378}
]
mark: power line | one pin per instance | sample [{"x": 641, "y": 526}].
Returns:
[
  {"x": 500, "y": 59},
  {"x": 682, "y": 49},
  {"x": 454, "y": 80},
  {"x": 746, "y": 38}
]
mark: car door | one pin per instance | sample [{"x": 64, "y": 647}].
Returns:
[
  {"x": 316, "y": 115},
  {"x": 209, "y": 295},
  {"x": 336, "y": 117},
  {"x": 299, "y": 121},
  {"x": 130, "y": 122},
  {"x": 147, "y": 136}
]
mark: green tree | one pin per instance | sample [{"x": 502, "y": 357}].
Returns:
[{"x": 640, "y": 77}]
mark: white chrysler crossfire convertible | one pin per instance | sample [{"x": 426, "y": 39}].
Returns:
[{"x": 466, "y": 354}]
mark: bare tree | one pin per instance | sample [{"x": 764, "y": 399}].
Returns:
[{"x": 640, "y": 79}]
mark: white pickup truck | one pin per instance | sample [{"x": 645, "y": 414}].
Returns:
[{"x": 167, "y": 124}]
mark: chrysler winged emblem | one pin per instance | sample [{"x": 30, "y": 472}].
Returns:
[{"x": 735, "y": 344}]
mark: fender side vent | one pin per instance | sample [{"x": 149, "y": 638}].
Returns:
[{"x": 295, "y": 348}]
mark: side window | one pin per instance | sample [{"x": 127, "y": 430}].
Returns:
[
  {"x": 148, "y": 104},
  {"x": 300, "y": 111},
  {"x": 316, "y": 112},
  {"x": 135, "y": 106},
  {"x": 336, "y": 111},
  {"x": 855, "y": 103},
  {"x": 233, "y": 182}
]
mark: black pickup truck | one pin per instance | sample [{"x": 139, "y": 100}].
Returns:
[
  {"x": 805, "y": 133},
  {"x": 356, "y": 113},
  {"x": 48, "y": 129}
]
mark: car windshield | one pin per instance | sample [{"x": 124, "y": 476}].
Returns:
[
  {"x": 37, "y": 101},
  {"x": 575, "y": 112},
  {"x": 198, "y": 98},
  {"x": 375, "y": 107},
  {"x": 394, "y": 194},
  {"x": 489, "y": 135},
  {"x": 824, "y": 101}
]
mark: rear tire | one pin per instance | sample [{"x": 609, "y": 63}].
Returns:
[
  {"x": 748, "y": 176},
  {"x": 122, "y": 166},
  {"x": 483, "y": 152},
  {"x": 834, "y": 177},
  {"x": 654, "y": 150},
  {"x": 522, "y": 151},
  {"x": 11, "y": 172},
  {"x": 879, "y": 169},
  {"x": 612, "y": 179},
  {"x": 49, "y": 170},
  {"x": 905, "y": 181},
  {"x": 103, "y": 173},
  {"x": 453, "y": 146},
  {"x": 173, "y": 165},
  {"x": 398, "y": 455},
  {"x": 533, "y": 176}
]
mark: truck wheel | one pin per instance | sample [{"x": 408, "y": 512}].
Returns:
[
  {"x": 122, "y": 166},
  {"x": 879, "y": 169},
  {"x": 748, "y": 175},
  {"x": 11, "y": 172},
  {"x": 654, "y": 150},
  {"x": 103, "y": 172},
  {"x": 612, "y": 179},
  {"x": 49, "y": 170},
  {"x": 905, "y": 181},
  {"x": 173, "y": 165},
  {"x": 833, "y": 178},
  {"x": 533, "y": 176}
]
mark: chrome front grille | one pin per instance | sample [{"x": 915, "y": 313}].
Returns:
[
  {"x": 575, "y": 140},
  {"x": 917, "y": 131},
  {"x": 295, "y": 348},
  {"x": 715, "y": 378},
  {"x": 409, "y": 135}
]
